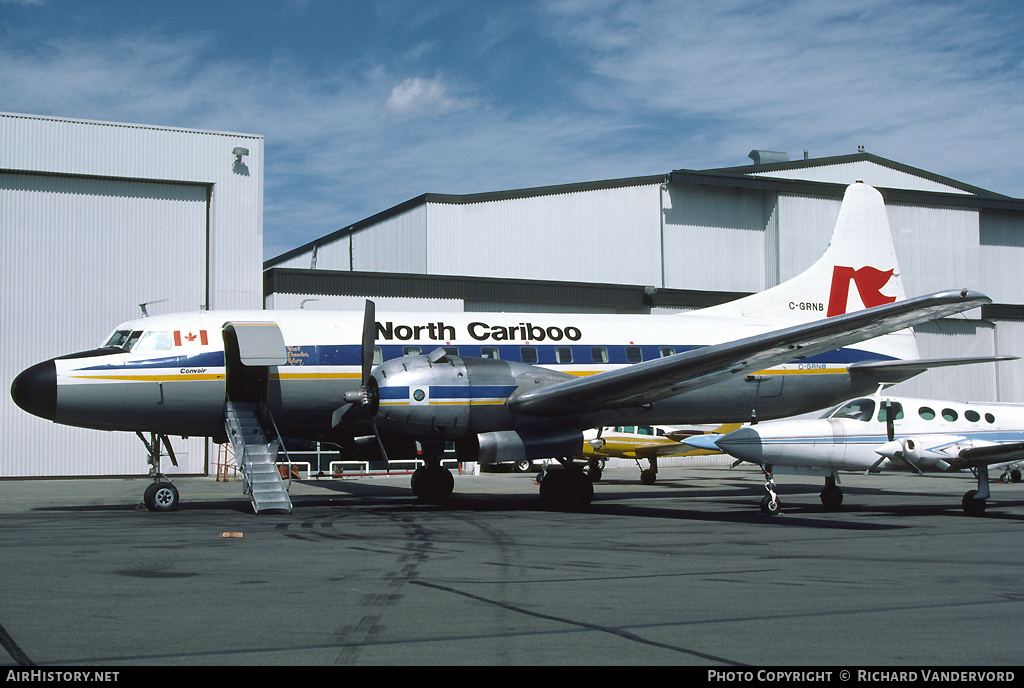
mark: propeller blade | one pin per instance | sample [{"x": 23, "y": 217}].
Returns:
[
  {"x": 369, "y": 338},
  {"x": 890, "y": 428}
]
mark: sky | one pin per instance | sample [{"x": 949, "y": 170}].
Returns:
[{"x": 364, "y": 105}]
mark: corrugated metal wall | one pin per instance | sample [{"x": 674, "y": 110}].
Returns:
[
  {"x": 715, "y": 238},
  {"x": 603, "y": 235},
  {"x": 1001, "y": 256},
  {"x": 96, "y": 218},
  {"x": 397, "y": 244}
]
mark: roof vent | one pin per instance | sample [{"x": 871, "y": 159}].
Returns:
[{"x": 763, "y": 157}]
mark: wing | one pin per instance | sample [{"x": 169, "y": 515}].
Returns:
[
  {"x": 652, "y": 381},
  {"x": 1000, "y": 453}
]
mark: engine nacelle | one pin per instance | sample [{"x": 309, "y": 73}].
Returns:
[
  {"x": 443, "y": 396},
  {"x": 510, "y": 445}
]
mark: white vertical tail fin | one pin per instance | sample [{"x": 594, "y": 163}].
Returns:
[{"x": 858, "y": 270}]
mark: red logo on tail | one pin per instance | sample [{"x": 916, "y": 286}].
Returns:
[{"x": 869, "y": 283}]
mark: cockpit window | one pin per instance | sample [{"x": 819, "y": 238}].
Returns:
[
  {"x": 153, "y": 341},
  {"x": 859, "y": 409},
  {"x": 117, "y": 339}
]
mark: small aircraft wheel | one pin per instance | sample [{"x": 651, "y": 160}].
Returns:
[
  {"x": 594, "y": 474},
  {"x": 523, "y": 466},
  {"x": 648, "y": 477},
  {"x": 832, "y": 497},
  {"x": 769, "y": 506},
  {"x": 162, "y": 496},
  {"x": 973, "y": 506}
]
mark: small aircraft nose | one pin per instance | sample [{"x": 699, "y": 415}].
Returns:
[
  {"x": 744, "y": 443},
  {"x": 35, "y": 390}
]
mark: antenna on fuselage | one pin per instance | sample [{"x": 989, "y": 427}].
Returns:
[{"x": 145, "y": 314}]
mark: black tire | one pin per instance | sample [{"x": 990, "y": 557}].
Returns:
[
  {"x": 973, "y": 506},
  {"x": 161, "y": 496},
  {"x": 769, "y": 506}
]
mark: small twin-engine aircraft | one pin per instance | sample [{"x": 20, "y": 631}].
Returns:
[
  {"x": 504, "y": 387},
  {"x": 883, "y": 433},
  {"x": 638, "y": 442}
]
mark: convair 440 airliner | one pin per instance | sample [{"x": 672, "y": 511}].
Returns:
[{"x": 505, "y": 387}]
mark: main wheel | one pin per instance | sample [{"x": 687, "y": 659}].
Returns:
[
  {"x": 432, "y": 484},
  {"x": 524, "y": 466},
  {"x": 972, "y": 505},
  {"x": 162, "y": 496},
  {"x": 832, "y": 497},
  {"x": 648, "y": 477}
]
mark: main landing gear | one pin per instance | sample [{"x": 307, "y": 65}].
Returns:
[
  {"x": 975, "y": 501},
  {"x": 161, "y": 495},
  {"x": 567, "y": 488},
  {"x": 831, "y": 496},
  {"x": 432, "y": 482}
]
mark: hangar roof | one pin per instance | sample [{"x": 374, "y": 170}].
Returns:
[{"x": 764, "y": 177}]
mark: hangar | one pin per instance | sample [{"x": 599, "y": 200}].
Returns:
[
  {"x": 98, "y": 218},
  {"x": 679, "y": 241}
]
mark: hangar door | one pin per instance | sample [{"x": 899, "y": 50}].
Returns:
[{"x": 79, "y": 254}]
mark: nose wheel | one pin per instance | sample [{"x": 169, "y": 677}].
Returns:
[
  {"x": 161, "y": 495},
  {"x": 770, "y": 502}
]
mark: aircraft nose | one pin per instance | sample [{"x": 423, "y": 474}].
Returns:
[
  {"x": 744, "y": 443},
  {"x": 35, "y": 390}
]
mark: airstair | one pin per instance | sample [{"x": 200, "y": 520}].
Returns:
[{"x": 257, "y": 458}]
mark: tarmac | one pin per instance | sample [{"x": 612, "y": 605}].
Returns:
[{"x": 684, "y": 572}]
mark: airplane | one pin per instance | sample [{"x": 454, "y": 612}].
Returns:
[
  {"x": 883, "y": 433},
  {"x": 504, "y": 386},
  {"x": 643, "y": 442}
]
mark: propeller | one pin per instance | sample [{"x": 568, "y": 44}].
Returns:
[
  {"x": 886, "y": 450},
  {"x": 363, "y": 395}
]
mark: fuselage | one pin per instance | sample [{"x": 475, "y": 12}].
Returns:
[
  {"x": 927, "y": 435},
  {"x": 170, "y": 374}
]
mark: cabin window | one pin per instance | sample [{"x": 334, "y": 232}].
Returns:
[
  {"x": 895, "y": 408},
  {"x": 859, "y": 409},
  {"x": 451, "y": 350},
  {"x": 528, "y": 354},
  {"x": 667, "y": 351},
  {"x": 949, "y": 414},
  {"x": 563, "y": 354},
  {"x": 599, "y": 354},
  {"x": 154, "y": 341},
  {"x": 644, "y": 430},
  {"x": 926, "y": 413},
  {"x": 378, "y": 355},
  {"x": 489, "y": 352},
  {"x": 989, "y": 418},
  {"x": 633, "y": 354},
  {"x": 412, "y": 351},
  {"x": 972, "y": 415}
]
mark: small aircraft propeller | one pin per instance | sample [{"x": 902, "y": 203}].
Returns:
[
  {"x": 363, "y": 396},
  {"x": 891, "y": 449}
]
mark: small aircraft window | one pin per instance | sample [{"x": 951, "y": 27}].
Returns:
[
  {"x": 117, "y": 339},
  {"x": 154, "y": 341},
  {"x": 633, "y": 354},
  {"x": 667, "y": 351},
  {"x": 895, "y": 408},
  {"x": 132, "y": 338},
  {"x": 599, "y": 354},
  {"x": 949, "y": 414},
  {"x": 563, "y": 354},
  {"x": 972, "y": 415},
  {"x": 489, "y": 352},
  {"x": 412, "y": 351},
  {"x": 644, "y": 430},
  {"x": 378, "y": 355},
  {"x": 529, "y": 354},
  {"x": 859, "y": 409},
  {"x": 989, "y": 418},
  {"x": 926, "y": 413}
]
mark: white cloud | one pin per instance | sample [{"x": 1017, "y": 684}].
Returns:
[{"x": 417, "y": 96}]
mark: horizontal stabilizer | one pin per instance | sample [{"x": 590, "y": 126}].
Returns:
[{"x": 905, "y": 369}]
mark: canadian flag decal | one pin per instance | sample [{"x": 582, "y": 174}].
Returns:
[
  {"x": 190, "y": 337},
  {"x": 869, "y": 283}
]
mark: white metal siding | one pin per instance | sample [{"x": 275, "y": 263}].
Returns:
[
  {"x": 937, "y": 248},
  {"x": 79, "y": 256},
  {"x": 1010, "y": 342},
  {"x": 715, "y": 239},
  {"x": 114, "y": 215},
  {"x": 1002, "y": 256},
  {"x": 805, "y": 228},
  {"x": 603, "y": 235},
  {"x": 397, "y": 244}
]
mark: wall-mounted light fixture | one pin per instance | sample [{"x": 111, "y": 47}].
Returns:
[{"x": 238, "y": 153}]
